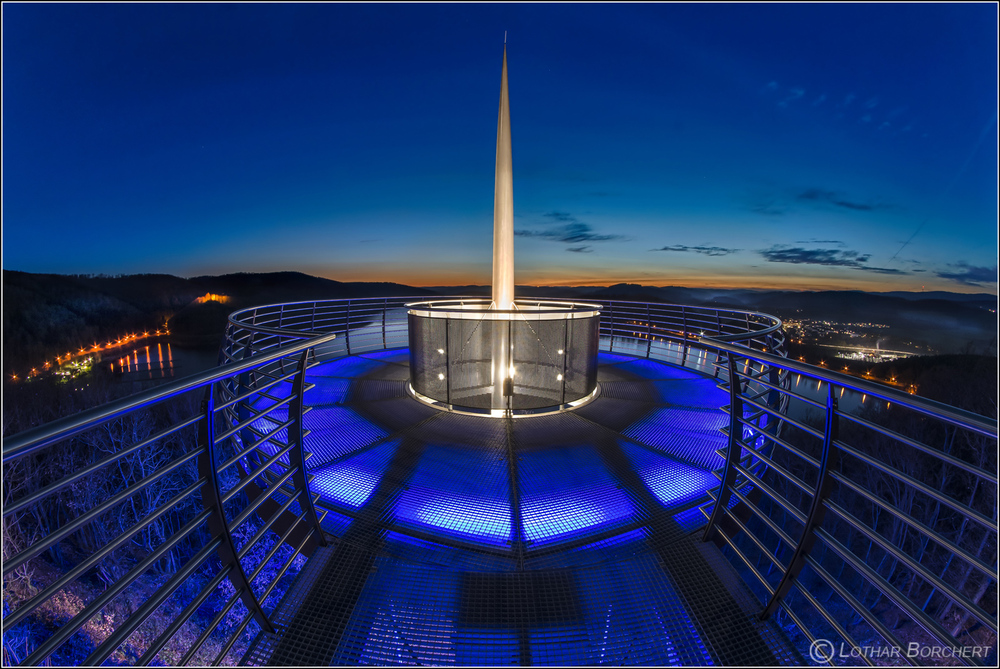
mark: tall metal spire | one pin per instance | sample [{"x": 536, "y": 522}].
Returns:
[{"x": 503, "y": 204}]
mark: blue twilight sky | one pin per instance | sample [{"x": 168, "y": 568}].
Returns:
[{"x": 800, "y": 146}]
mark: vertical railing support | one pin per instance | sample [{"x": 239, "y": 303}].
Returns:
[
  {"x": 611, "y": 321},
  {"x": 218, "y": 526},
  {"x": 296, "y": 456},
  {"x": 385, "y": 308},
  {"x": 281, "y": 319},
  {"x": 734, "y": 450},
  {"x": 649, "y": 330},
  {"x": 829, "y": 460},
  {"x": 347, "y": 328},
  {"x": 245, "y": 382},
  {"x": 718, "y": 355},
  {"x": 774, "y": 396},
  {"x": 684, "y": 325}
]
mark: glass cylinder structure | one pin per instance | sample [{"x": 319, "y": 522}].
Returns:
[{"x": 549, "y": 361}]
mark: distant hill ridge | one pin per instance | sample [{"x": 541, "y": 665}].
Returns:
[{"x": 45, "y": 313}]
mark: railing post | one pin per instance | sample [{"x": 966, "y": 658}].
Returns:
[
  {"x": 281, "y": 319},
  {"x": 649, "y": 330},
  {"x": 347, "y": 328},
  {"x": 244, "y": 382},
  {"x": 718, "y": 355},
  {"x": 218, "y": 526},
  {"x": 611, "y": 320},
  {"x": 734, "y": 450},
  {"x": 684, "y": 324},
  {"x": 385, "y": 308},
  {"x": 296, "y": 456},
  {"x": 829, "y": 460}
]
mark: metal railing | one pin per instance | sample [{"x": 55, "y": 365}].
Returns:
[
  {"x": 183, "y": 495},
  {"x": 887, "y": 511},
  {"x": 364, "y": 324},
  {"x": 666, "y": 332},
  {"x": 847, "y": 522}
]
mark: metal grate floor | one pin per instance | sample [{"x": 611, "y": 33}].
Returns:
[{"x": 553, "y": 540}]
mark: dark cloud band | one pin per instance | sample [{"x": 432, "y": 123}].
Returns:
[
  {"x": 827, "y": 257},
  {"x": 970, "y": 275},
  {"x": 705, "y": 250},
  {"x": 570, "y": 231}
]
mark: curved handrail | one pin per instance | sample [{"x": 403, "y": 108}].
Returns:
[
  {"x": 479, "y": 306},
  {"x": 846, "y": 488},
  {"x": 227, "y": 504},
  {"x": 35, "y": 438},
  {"x": 959, "y": 417},
  {"x": 774, "y": 326},
  {"x": 234, "y": 318}
]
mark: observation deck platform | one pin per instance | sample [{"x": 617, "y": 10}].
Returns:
[
  {"x": 573, "y": 538},
  {"x": 556, "y": 539}
]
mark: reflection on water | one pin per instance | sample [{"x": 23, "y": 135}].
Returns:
[{"x": 161, "y": 361}]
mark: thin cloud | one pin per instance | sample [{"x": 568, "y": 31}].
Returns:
[
  {"x": 822, "y": 241},
  {"x": 884, "y": 270},
  {"x": 970, "y": 275},
  {"x": 835, "y": 198},
  {"x": 704, "y": 250},
  {"x": 580, "y": 249},
  {"x": 765, "y": 206},
  {"x": 800, "y": 256},
  {"x": 826, "y": 257},
  {"x": 560, "y": 216},
  {"x": 872, "y": 103},
  {"x": 570, "y": 230},
  {"x": 793, "y": 95},
  {"x": 847, "y": 100},
  {"x": 819, "y": 100}
]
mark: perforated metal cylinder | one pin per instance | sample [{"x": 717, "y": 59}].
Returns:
[{"x": 553, "y": 360}]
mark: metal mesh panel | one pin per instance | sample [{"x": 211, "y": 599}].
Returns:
[
  {"x": 581, "y": 370},
  {"x": 428, "y": 364},
  {"x": 539, "y": 361},
  {"x": 470, "y": 361},
  {"x": 554, "y": 361}
]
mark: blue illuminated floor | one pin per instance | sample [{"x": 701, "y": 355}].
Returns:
[
  {"x": 663, "y": 419},
  {"x": 553, "y": 540}
]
